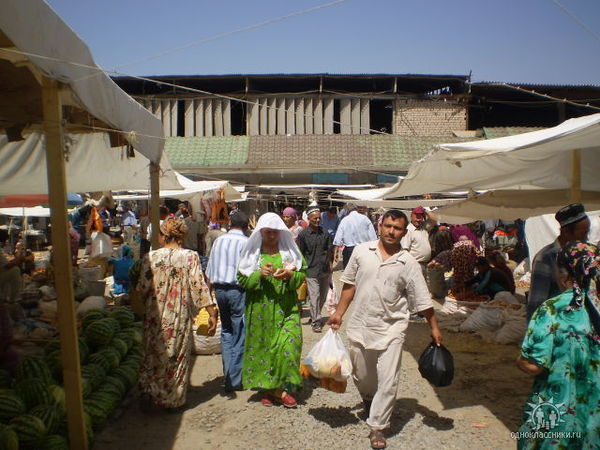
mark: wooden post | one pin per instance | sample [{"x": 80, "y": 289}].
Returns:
[
  {"x": 576, "y": 176},
  {"x": 154, "y": 203},
  {"x": 61, "y": 248}
]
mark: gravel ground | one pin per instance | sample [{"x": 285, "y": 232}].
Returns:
[{"x": 479, "y": 410}]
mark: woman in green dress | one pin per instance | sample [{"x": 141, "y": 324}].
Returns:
[
  {"x": 270, "y": 270},
  {"x": 562, "y": 349}
]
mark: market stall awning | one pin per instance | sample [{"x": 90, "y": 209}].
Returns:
[
  {"x": 190, "y": 189},
  {"x": 36, "y": 211},
  {"x": 92, "y": 165},
  {"x": 33, "y": 35},
  {"x": 553, "y": 158}
]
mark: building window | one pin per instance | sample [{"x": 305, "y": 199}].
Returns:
[{"x": 381, "y": 115}]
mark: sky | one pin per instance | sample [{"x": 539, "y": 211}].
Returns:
[{"x": 515, "y": 41}]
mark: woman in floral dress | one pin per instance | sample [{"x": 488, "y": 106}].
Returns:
[
  {"x": 270, "y": 270},
  {"x": 174, "y": 290},
  {"x": 562, "y": 348}
]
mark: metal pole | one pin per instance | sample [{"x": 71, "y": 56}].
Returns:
[{"x": 57, "y": 193}]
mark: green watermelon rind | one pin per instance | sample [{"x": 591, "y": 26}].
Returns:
[{"x": 30, "y": 430}]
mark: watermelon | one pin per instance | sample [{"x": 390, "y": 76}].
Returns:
[
  {"x": 120, "y": 345},
  {"x": 33, "y": 391},
  {"x": 30, "y": 430},
  {"x": 57, "y": 395},
  {"x": 126, "y": 336},
  {"x": 123, "y": 315},
  {"x": 11, "y": 405},
  {"x": 86, "y": 387},
  {"x": 99, "y": 334},
  {"x": 138, "y": 325},
  {"x": 52, "y": 346},
  {"x": 137, "y": 336},
  {"x": 109, "y": 389},
  {"x": 63, "y": 428},
  {"x": 84, "y": 351},
  {"x": 6, "y": 379},
  {"x": 112, "y": 355},
  {"x": 95, "y": 374},
  {"x": 8, "y": 438},
  {"x": 51, "y": 415},
  {"x": 33, "y": 367},
  {"x": 99, "y": 359},
  {"x": 54, "y": 442},
  {"x": 127, "y": 375},
  {"x": 117, "y": 383},
  {"x": 107, "y": 400},
  {"x": 54, "y": 362},
  {"x": 97, "y": 411},
  {"x": 92, "y": 316}
]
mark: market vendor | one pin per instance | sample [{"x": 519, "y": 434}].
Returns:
[
  {"x": 121, "y": 268},
  {"x": 489, "y": 280},
  {"x": 10, "y": 272}
]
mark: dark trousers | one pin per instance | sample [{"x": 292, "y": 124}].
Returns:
[
  {"x": 346, "y": 254},
  {"x": 232, "y": 304}
]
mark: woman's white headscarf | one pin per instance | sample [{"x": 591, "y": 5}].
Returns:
[{"x": 290, "y": 253}]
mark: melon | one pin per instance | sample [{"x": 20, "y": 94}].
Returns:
[
  {"x": 92, "y": 316},
  {"x": 126, "y": 336},
  {"x": 99, "y": 359},
  {"x": 30, "y": 430},
  {"x": 52, "y": 347},
  {"x": 117, "y": 383},
  {"x": 123, "y": 315},
  {"x": 54, "y": 442},
  {"x": 99, "y": 334},
  {"x": 95, "y": 374},
  {"x": 33, "y": 367},
  {"x": 11, "y": 405},
  {"x": 120, "y": 345},
  {"x": 84, "y": 350},
  {"x": 8, "y": 438},
  {"x": 33, "y": 391},
  {"x": 51, "y": 415},
  {"x": 57, "y": 395},
  {"x": 112, "y": 355}
]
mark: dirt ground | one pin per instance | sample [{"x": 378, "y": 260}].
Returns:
[{"x": 479, "y": 410}]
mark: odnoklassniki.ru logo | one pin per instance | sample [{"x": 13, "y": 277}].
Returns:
[{"x": 543, "y": 417}]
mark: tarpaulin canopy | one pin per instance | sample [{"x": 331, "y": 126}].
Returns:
[
  {"x": 92, "y": 165},
  {"x": 513, "y": 204},
  {"x": 190, "y": 189},
  {"x": 560, "y": 158},
  {"x": 36, "y": 211},
  {"x": 10, "y": 201},
  {"x": 31, "y": 33}
]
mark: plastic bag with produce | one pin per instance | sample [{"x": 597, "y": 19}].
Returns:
[{"x": 329, "y": 361}]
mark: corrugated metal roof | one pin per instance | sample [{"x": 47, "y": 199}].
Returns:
[
  {"x": 207, "y": 151},
  {"x": 496, "y": 132},
  {"x": 336, "y": 151}
]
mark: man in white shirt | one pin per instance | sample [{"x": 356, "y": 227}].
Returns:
[
  {"x": 416, "y": 240},
  {"x": 354, "y": 229},
  {"x": 231, "y": 298},
  {"x": 387, "y": 284}
]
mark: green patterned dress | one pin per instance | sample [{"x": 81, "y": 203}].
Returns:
[
  {"x": 566, "y": 396},
  {"x": 273, "y": 332}
]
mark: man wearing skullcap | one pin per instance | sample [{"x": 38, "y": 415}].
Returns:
[
  {"x": 316, "y": 245},
  {"x": 574, "y": 226}
]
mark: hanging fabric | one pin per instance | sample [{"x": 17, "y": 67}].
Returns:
[{"x": 219, "y": 213}]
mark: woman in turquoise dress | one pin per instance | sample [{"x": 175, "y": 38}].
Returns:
[
  {"x": 271, "y": 269},
  {"x": 562, "y": 349}
]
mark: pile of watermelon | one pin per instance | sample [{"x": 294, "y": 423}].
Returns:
[{"x": 32, "y": 404}]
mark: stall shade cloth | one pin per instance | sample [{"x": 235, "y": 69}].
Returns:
[
  {"x": 540, "y": 159},
  {"x": 36, "y": 29},
  {"x": 92, "y": 166},
  {"x": 513, "y": 204},
  {"x": 10, "y": 201}
]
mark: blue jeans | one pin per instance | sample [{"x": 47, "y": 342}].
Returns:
[{"x": 232, "y": 305}]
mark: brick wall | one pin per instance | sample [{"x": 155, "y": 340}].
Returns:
[{"x": 428, "y": 117}]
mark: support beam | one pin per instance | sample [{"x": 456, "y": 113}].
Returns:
[
  {"x": 576, "y": 176},
  {"x": 154, "y": 203},
  {"x": 61, "y": 248}
]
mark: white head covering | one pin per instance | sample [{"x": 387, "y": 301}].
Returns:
[{"x": 290, "y": 253}]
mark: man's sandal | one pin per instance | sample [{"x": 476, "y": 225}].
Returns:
[{"x": 377, "y": 439}]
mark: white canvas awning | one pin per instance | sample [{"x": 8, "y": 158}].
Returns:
[
  {"x": 92, "y": 166},
  {"x": 36, "y": 211},
  {"x": 559, "y": 158},
  {"x": 32, "y": 33}
]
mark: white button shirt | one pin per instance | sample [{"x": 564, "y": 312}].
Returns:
[
  {"x": 386, "y": 293},
  {"x": 416, "y": 241},
  {"x": 354, "y": 229}
]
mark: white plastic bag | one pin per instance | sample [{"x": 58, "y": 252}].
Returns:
[
  {"x": 329, "y": 358},
  {"x": 101, "y": 245},
  {"x": 207, "y": 345}
]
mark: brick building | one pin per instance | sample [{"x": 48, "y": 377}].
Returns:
[{"x": 341, "y": 129}]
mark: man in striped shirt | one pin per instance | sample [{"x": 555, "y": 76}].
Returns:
[{"x": 222, "y": 275}]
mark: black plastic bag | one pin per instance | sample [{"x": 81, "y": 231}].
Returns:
[{"x": 436, "y": 365}]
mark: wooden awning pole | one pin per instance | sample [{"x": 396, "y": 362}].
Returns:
[
  {"x": 61, "y": 248},
  {"x": 576, "y": 176},
  {"x": 154, "y": 203}
]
